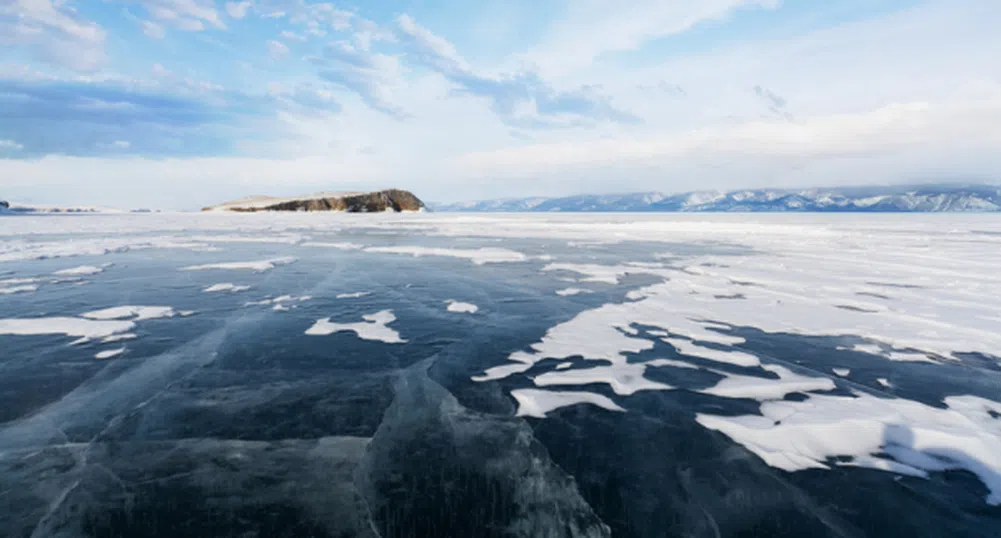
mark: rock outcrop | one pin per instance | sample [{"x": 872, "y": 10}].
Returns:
[
  {"x": 4, "y": 205},
  {"x": 350, "y": 202}
]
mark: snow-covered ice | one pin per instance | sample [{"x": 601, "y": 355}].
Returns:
[
  {"x": 282, "y": 302},
  {"x": 258, "y": 266},
  {"x": 134, "y": 313},
  {"x": 536, "y": 403},
  {"x": 355, "y": 295},
  {"x": 875, "y": 432},
  {"x": 21, "y": 288},
  {"x": 374, "y": 327},
  {"x": 82, "y": 270},
  {"x": 764, "y": 388},
  {"x": 565, "y": 292},
  {"x": 118, "y": 338},
  {"x": 227, "y": 287},
  {"x": 464, "y": 308},
  {"x": 109, "y": 353},
  {"x": 83, "y": 328},
  {"x": 478, "y": 256}
]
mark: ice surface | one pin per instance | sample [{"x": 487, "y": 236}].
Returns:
[
  {"x": 374, "y": 327},
  {"x": 134, "y": 313},
  {"x": 107, "y": 354},
  {"x": 465, "y": 308},
  {"x": 910, "y": 288},
  {"x": 478, "y": 256},
  {"x": 258, "y": 266},
  {"x": 225, "y": 286},
  {"x": 536, "y": 403},
  {"x": 12, "y": 250}
]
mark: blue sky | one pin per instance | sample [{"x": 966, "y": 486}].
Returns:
[{"x": 180, "y": 103}]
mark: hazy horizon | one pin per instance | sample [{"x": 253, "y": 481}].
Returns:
[{"x": 180, "y": 104}]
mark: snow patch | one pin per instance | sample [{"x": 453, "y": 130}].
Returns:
[
  {"x": 83, "y": 270},
  {"x": 118, "y": 338},
  {"x": 536, "y": 403},
  {"x": 225, "y": 286},
  {"x": 566, "y": 292},
  {"x": 24, "y": 288},
  {"x": 258, "y": 266},
  {"x": 134, "y": 313},
  {"x": 763, "y": 389},
  {"x": 107, "y": 354},
  {"x": 465, "y": 308},
  {"x": 374, "y": 327},
  {"x": 895, "y": 435},
  {"x": 478, "y": 256},
  {"x": 355, "y": 295},
  {"x": 85, "y": 329}
]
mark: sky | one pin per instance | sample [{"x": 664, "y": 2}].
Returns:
[{"x": 177, "y": 104}]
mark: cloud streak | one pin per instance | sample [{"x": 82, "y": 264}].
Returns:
[
  {"x": 53, "y": 33},
  {"x": 522, "y": 99}
]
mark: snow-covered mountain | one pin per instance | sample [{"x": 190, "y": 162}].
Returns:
[{"x": 924, "y": 198}]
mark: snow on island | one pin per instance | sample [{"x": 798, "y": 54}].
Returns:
[{"x": 350, "y": 202}]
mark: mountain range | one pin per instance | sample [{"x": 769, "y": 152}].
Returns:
[{"x": 921, "y": 198}]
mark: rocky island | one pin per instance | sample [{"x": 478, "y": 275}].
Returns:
[{"x": 351, "y": 202}]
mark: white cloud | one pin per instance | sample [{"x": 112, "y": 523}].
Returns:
[
  {"x": 238, "y": 10},
  {"x": 189, "y": 15},
  {"x": 285, "y": 34},
  {"x": 594, "y": 27},
  {"x": 159, "y": 71},
  {"x": 910, "y": 127},
  {"x": 367, "y": 32},
  {"x": 53, "y": 32},
  {"x": 7, "y": 145},
  {"x": 276, "y": 49},
  {"x": 153, "y": 30},
  {"x": 376, "y": 78}
]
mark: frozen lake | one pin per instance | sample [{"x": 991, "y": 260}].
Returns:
[{"x": 634, "y": 375}]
